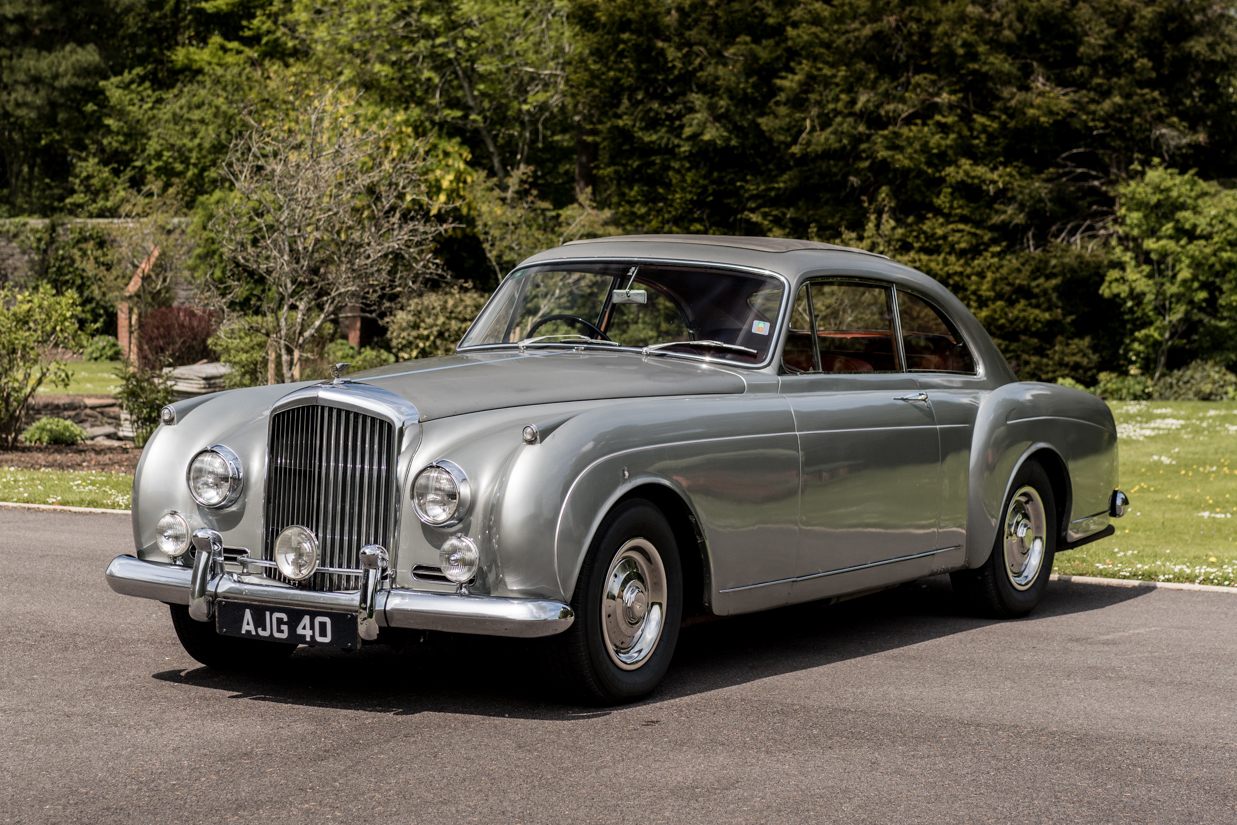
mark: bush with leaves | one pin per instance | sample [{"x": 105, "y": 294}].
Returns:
[
  {"x": 362, "y": 358},
  {"x": 34, "y": 327},
  {"x": 49, "y": 430},
  {"x": 243, "y": 348},
  {"x": 1200, "y": 381},
  {"x": 433, "y": 322},
  {"x": 175, "y": 336},
  {"x": 102, "y": 348},
  {"x": 142, "y": 394},
  {"x": 1113, "y": 386}
]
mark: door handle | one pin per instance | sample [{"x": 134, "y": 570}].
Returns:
[{"x": 917, "y": 396}]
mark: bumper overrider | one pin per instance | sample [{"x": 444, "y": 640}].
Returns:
[{"x": 375, "y": 606}]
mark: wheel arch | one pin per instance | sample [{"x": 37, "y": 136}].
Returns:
[{"x": 1055, "y": 467}]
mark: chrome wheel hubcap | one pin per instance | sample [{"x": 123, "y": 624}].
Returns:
[
  {"x": 1025, "y": 538},
  {"x": 633, "y": 604}
]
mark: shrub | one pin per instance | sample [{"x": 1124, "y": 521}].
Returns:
[
  {"x": 33, "y": 326},
  {"x": 365, "y": 358},
  {"x": 244, "y": 350},
  {"x": 1200, "y": 381},
  {"x": 53, "y": 431},
  {"x": 143, "y": 393},
  {"x": 102, "y": 348},
  {"x": 433, "y": 322},
  {"x": 174, "y": 336},
  {"x": 1066, "y": 381},
  {"x": 1116, "y": 387}
]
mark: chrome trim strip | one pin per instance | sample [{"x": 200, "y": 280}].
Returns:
[
  {"x": 1088, "y": 518},
  {"x": 774, "y": 343},
  {"x": 843, "y": 570},
  {"x": 484, "y": 615},
  {"x": 350, "y": 395}
]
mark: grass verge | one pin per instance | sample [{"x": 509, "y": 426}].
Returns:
[
  {"x": 1179, "y": 467},
  {"x": 112, "y": 491}
]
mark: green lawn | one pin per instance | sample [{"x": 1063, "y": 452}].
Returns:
[
  {"x": 89, "y": 378},
  {"x": 1179, "y": 467},
  {"x": 112, "y": 491}
]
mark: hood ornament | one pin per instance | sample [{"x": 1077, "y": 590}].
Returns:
[{"x": 338, "y": 371}]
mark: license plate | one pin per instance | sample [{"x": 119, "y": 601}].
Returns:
[{"x": 289, "y": 625}]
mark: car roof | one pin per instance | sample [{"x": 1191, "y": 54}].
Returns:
[{"x": 756, "y": 244}]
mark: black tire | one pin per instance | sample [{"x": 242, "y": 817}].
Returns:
[
  {"x": 582, "y": 655},
  {"x": 222, "y": 653},
  {"x": 993, "y": 590}
]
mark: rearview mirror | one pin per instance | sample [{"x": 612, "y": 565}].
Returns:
[{"x": 629, "y": 296}]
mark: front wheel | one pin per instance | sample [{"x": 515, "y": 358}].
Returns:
[
  {"x": 200, "y": 641},
  {"x": 1013, "y": 580},
  {"x": 628, "y": 603}
]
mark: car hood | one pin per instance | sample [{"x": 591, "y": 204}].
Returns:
[{"x": 474, "y": 382}]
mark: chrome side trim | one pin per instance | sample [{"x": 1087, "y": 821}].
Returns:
[
  {"x": 842, "y": 570},
  {"x": 484, "y": 615}
]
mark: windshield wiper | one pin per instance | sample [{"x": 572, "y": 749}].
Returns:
[
  {"x": 710, "y": 344},
  {"x": 566, "y": 337}
]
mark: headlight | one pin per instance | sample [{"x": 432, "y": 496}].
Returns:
[
  {"x": 459, "y": 558},
  {"x": 215, "y": 477},
  {"x": 440, "y": 494},
  {"x": 172, "y": 535},
  {"x": 296, "y": 553}
]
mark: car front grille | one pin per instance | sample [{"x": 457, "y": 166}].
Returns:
[{"x": 332, "y": 471}]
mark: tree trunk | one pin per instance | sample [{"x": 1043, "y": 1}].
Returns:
[
  {"x": 271, "y": 369},
  {"x": 586, "y": 157}
]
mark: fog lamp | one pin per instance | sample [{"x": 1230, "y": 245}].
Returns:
[
  {"x": 215, "y": 477},
  {"x": 459, "y": 558},
  {"x": 440, "y": 494},
  {"x": 296, "y": 553},
  {"x": 172, "y": 534}
]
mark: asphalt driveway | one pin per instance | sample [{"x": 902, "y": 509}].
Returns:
[{"x": 1108, "y": 705}]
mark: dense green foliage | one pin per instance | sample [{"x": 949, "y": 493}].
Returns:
[
  {"x": 1062, "y": 165},
  {"x": 49, "y": 430},
  {"x": 102, "y": 348},
  {"x": 143, "y": 393},
  {"x": 36, "y": 327}
]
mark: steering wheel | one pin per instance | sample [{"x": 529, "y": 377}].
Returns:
[{"x": 573, "y": 318}]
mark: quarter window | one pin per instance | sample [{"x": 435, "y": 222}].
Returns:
[
  {"x": 932, "y": 344},
  {"x": 854, "y": 327}
]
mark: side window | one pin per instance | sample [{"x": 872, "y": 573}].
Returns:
[
  {"x": 932, "y": 344},
  {"x": 854, "y": 327},
  {"x": 798, "y": 355}
]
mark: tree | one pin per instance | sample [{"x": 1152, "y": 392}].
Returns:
[
  {"x": 490, "y": 71},
  {"x": 35, "y": 327},
  {"x": 1177, "y": 257},
  {"x": 323, "y": 214}
]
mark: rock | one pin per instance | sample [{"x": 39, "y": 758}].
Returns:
[
  {"x": 100, "y": 432},
  {"x": 198, "y": 379},
  {"x": 110, "y": 442}
]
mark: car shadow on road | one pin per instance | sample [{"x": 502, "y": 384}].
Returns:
[{"x": 477, "y": 675}]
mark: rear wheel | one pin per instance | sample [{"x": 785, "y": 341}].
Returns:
[
  {"x": 628, "y": 604},
  {"x": 1013, "y": 580},
  {"x": 220, "y": 652}
]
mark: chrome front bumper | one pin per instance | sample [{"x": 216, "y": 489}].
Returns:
[{"x": 483, "y": 615}]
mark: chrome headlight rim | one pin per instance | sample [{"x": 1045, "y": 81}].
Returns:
[
  {"x": 312, "y": 538},
  {"x": 236, "y": 473},
  {"x": 184, "y": 524},
  {"x": 455, "y": 544},
  {"x": 463, "y": 496}
]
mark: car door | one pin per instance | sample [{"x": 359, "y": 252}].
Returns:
[
  {"x": 942, "y": 363},
  {"x": 870, "y": 490}
]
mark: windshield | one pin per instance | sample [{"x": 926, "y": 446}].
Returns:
[{"x": 728, "y": 314}]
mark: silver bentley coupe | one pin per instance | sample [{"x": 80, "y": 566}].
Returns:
[{"x": 634, "y": 430}]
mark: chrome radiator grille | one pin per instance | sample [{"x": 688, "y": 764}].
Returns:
[{"x": 332, "y": 471}]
